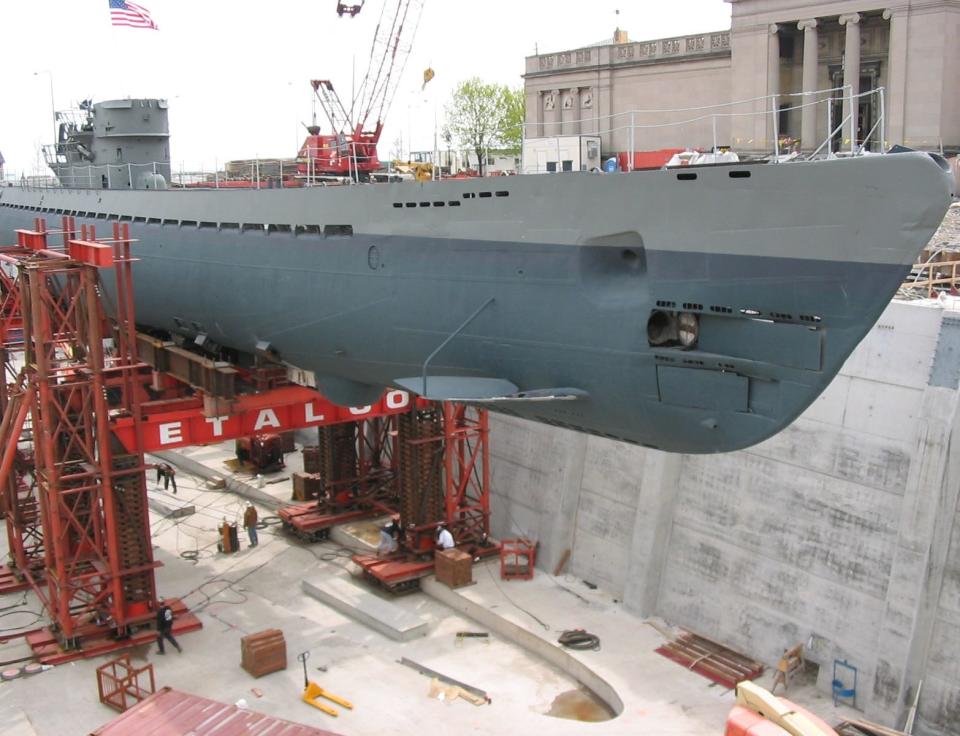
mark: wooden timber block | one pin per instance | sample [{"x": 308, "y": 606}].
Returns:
[
  {"x": 311, "y": 459},
  {"x": 454, "y": 568},
  {"x": 306, "y": 486},
  {"x": 263, "y": 652}
]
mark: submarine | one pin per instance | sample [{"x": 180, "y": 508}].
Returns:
[{"x": 693, "y": 310}]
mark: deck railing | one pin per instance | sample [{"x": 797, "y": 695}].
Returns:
[
  {"x": 705, "y": 127},
  {"x": 712, "y": 127}
]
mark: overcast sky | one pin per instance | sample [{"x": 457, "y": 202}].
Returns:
[{"x": 236, "y": 72}]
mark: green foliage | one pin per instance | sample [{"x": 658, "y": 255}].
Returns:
[
  {"x": 515, "y": 113},
  {"x": 483, "y": 116}
]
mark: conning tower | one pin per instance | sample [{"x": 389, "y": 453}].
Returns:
[{"x": 115, "y": 144}]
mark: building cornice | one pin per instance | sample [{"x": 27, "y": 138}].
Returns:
[{"x": 636, "y": 53}]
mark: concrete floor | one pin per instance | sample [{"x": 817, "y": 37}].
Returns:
[{"x": 259, "y": 588}]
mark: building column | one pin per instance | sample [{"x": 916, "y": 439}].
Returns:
[
  {"x": 773, "y": 81},
  {"x": 808, "y": 116},
  {"x": 896, "y": 102},
  {"x": 851, "y": 74}
]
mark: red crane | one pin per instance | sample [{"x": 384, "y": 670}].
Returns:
[{"x": 350, "y": 149}]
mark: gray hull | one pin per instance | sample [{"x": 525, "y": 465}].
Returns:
[{"x": 786, "y": 266}]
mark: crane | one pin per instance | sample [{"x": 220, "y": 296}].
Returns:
[{"x": 350, "y": 149}]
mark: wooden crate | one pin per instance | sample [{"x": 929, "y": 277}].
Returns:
[
  {"x": 263, "y": 652},
  {"x": 120, "y": 684},
  {"x": 306, "y": 486},
  {"x": 454, "y": 567}
]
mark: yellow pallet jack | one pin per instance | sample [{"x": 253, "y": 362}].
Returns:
[{"x": 312, "y": 691}]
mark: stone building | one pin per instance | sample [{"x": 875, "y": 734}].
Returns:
[{"x": 722, "y": 88}]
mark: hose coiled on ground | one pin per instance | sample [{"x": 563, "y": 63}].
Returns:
[{"x": 579, "y": 639}]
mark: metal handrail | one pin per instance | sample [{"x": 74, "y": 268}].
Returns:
[{"x": 88, "y": 176}]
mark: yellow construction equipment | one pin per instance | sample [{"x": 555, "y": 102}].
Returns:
[
  {"x": 756, "y": 704},
  {"x": 314, "y": 691},
  {"x": 420, "y": 170}
]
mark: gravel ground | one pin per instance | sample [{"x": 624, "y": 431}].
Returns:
[{"x": 948, "y": 234}]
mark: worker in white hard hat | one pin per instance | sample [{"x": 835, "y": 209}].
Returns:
[{"x": 444, "y": 538}]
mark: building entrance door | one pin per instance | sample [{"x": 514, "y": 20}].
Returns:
[{"x": 866, "y": 108}]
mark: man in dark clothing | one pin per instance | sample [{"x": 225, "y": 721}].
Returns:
[
  {"x": 250, "y": 523},
  {"x": 168, "y": 474},
  {"x": 165, "y": 627}
]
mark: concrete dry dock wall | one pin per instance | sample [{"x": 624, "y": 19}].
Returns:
[{"x": 842, "y": 532}]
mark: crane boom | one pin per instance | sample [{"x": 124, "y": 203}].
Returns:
[
  {"x": 332, "y": 106},
  {"x": 391, "y": 46},
  {"x": 351, "y": 148}
]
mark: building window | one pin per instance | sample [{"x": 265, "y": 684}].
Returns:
[
  {"x": 119, "y": 154},
  {"x": 568, "y": 165},
  {"x": 786, "y": 46},
  {"x": 551, "y": 166}
]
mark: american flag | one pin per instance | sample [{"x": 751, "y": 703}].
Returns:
[{"x": 123, "y": 13}]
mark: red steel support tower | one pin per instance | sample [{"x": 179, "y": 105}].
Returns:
[
  {"x": 92, "y": 490},
  {"x": 467, "y": 472}
]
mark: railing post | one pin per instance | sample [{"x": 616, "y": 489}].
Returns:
[
  {"x": 776, "y": 128},
  {"x": 854, "y": 115},
  {"x": 523, "y": 138},
  {"x": 830, "y": 124},
  {"x": 130, "y": 174},
  {"x": 883, "y": 121},
  {"x": 632, "y": 141},
  {"x": 713, "y": 124}
]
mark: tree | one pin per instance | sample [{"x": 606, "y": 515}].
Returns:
[
  {"x": 515, "y": 115},
  {"x": 481, "y": 116}
]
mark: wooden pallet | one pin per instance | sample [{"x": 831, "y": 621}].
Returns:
[
  {"x": 711, "y": 659},
  {"x": 865, "y": 728}
]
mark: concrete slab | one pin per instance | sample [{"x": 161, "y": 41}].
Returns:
[
  {"x": 366, "y": 607},
  {"x": 168, "y": 506},
  {"x": 257, "y": 588}
]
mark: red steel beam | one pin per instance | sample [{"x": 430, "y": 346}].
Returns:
[{"x": 169, "y": 425}]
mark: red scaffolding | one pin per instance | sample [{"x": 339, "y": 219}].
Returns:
[
  {"x": 444, "y": 479},
  {"x": 357, "y": 468},
  {"x": 60, "y": 454}
]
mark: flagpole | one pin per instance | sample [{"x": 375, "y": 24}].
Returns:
[{"x": 53, "y": 107}]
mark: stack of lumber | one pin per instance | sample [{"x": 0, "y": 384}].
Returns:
[
  {"x": 711, "y": 659},
  {"x": 866, "y": 728},
  {"x": 263, "y": 652}
]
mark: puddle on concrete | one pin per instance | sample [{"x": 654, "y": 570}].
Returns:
[
  {"x": 365, "y": 531},
  {"x": 579, "y": 705}
]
